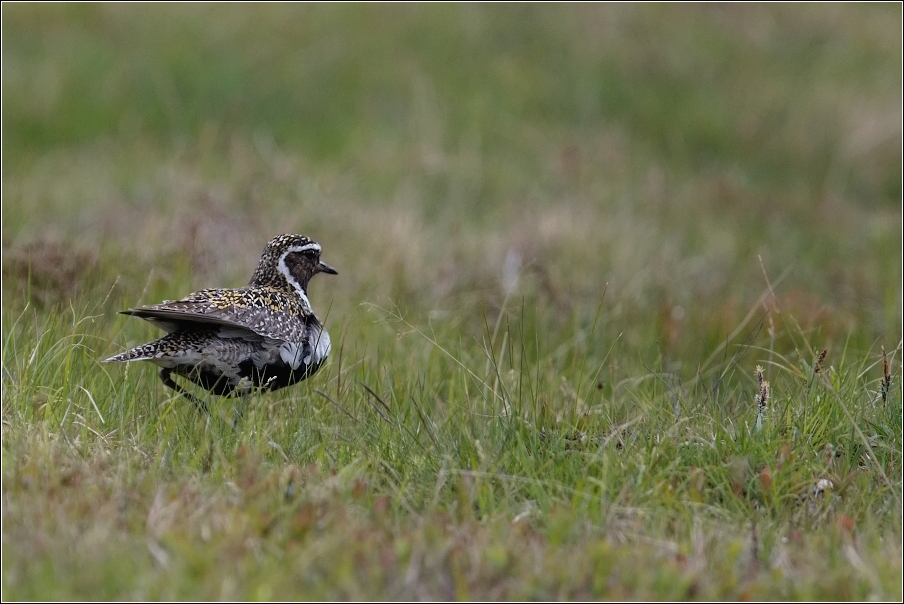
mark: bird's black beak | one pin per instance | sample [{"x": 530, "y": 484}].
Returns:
[{"x": 323, "y": 267}]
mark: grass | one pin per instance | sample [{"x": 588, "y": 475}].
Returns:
[{"x": 566, "y": 237}]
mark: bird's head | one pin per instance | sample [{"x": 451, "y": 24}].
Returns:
[{"x": 289, "y": 262}]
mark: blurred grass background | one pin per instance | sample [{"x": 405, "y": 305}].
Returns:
[
  {"x": 461, "y": 163},
  {"x": 683, "y": 140},
  {"x": 659, "y": 148}
]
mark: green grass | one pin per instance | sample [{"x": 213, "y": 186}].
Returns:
[{"x": 566, "y": 238}]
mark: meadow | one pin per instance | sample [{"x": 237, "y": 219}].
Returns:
[{"x": 618, "y": 312}]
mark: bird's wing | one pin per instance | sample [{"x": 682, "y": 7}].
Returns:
[{"x": 268, "y": 313}]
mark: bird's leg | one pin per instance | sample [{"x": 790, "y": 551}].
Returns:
[
  {"x": 200, "y": 405},
  {"x": 238, "y": 409},
  {"x": 242, "y": 392}
]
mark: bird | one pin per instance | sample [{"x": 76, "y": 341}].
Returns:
[{"x": 232, "y": 342}]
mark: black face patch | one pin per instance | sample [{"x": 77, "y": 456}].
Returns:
[
  {"x": 293, "y": 260},
  {"x": 301, "y": 265}
]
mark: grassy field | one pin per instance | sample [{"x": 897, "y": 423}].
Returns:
[{"x": 567, "y": 237}]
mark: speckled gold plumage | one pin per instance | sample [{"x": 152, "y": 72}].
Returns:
[{"x": 267, "y": 311}]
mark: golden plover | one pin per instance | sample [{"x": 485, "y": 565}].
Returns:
[{"x": 231, "y": 341}]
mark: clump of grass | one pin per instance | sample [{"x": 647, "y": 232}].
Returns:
[{"x": 431, "y": 481}]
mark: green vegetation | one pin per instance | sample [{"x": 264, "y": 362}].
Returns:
[{"x": 566, "y": 237}]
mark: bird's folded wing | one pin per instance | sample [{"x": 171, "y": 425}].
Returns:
[{"x": 266, "y": 315}]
